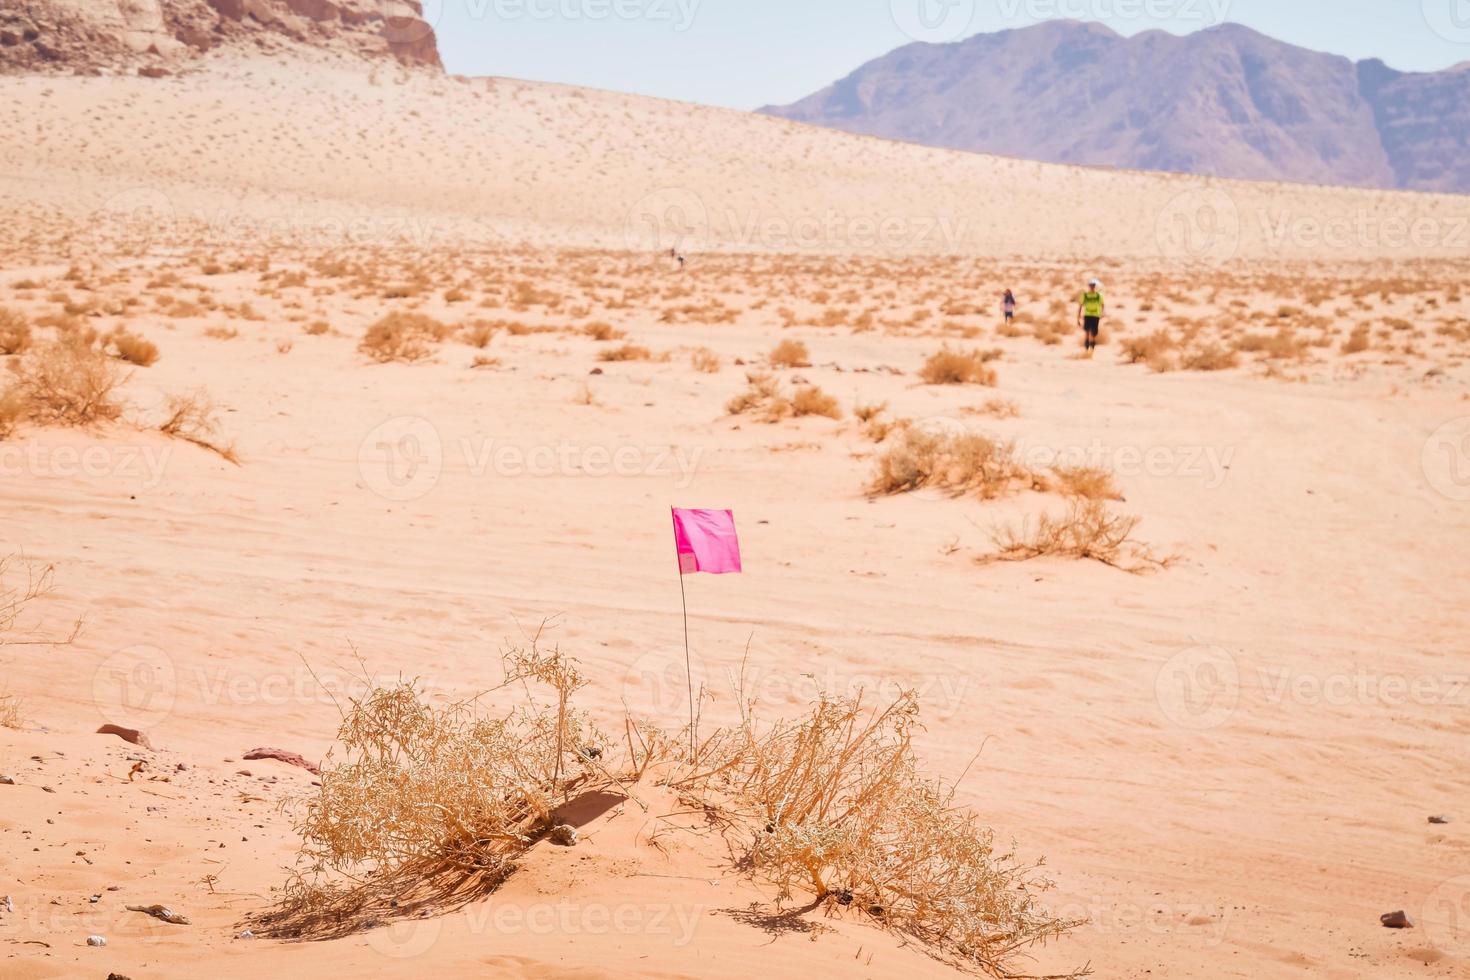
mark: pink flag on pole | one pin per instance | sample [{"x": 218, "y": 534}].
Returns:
[{"x": 706, "y": 542}]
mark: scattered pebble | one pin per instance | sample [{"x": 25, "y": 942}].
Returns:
[
  {"x": 563, "y": 835},
  {"x": 1439, "y": 820},
  {"x": 247, "y": 934},
  {"x": 7, "y": 781},
  {"x": 96, "y": 941},
  {"x": 131, "y": 735},
  {"x": 161, "y": 912}
]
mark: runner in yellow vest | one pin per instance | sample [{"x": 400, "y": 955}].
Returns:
[{"x": 1090, "y": 313}]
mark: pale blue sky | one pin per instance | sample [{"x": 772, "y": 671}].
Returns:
[{"x": 747, "y": 53}]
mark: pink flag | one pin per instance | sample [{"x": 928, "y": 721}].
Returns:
[{"x": 706, "y": 541}]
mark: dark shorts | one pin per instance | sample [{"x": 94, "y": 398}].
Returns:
[
  {"x": 1010, "y": 315},
  {"x": 1092, "y": 324}
]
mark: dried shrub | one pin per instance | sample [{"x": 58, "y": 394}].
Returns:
[
  {"x": 835, "y": 805},
  {"x": 603, "y": 332},
  {"x": 952, "y": 367},
  {"x": 1152, "y": 350},
  {"x": 760, "y": 391},
  {"x": 790, "y": 354},
  {"x": 67, "y": 383},
  {"x": 478, "y": 334},
  {"x": 317, "y": 328},
  {"x": 15, "y": 332},
  {"x": 705, "y": 361},
  {"x": 403, "y": 336},
  {"x": 1359, "y": 341},
  {"x": 192, "y": 418},
  {"x": 811, "y": 400},
  {"x": 626, "y": 352},
  {"x": 429, "y": 797},
  {"x": 1088, "y": 531},
  {"x": 1210, "y": 357},
  {"x": 130, "y": 347},
  {"x": 22, "y": 582},
  {"x": 957, "y": 461},
  {"x": 10, "y": 712},
  {"x": 1087, "y": 482},
  {"x": 15, "y": 408}
]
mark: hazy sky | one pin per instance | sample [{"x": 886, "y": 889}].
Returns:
[{"x": 747, "y": 53}]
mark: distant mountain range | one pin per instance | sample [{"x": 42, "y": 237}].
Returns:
[{"x": 1226, "y": 102}]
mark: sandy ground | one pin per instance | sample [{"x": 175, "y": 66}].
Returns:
[{"x": 1229, "y": 765}]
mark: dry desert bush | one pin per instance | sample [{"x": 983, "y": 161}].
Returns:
[
  {"x": 1087, "y": 482},
  {"x": 764, "y": 398},
  {"x": 790, "y": 354},
  {"x": 835, "y": 805},
  {"x": 811, "y": 400},
  {"x": 402, "y": 336},
  {"x": 430, "y": 808},
  {"x": 952, "y": 367},
  {"x": 602, "y": 331},
  {"x": 705, "y": 361},
  {"x": 625, "y": 352},
  {"x": 126, "y": 346},
  {"x": 192, "y": 418},
  {"x": 959, "y": 462},
  {"x": 65, "y": 383},
  {"x": 427, "y": 799},
  {"x": 1087, "y": 531},
  {"x": 15, "y": 332}
]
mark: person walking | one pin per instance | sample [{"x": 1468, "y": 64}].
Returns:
[
  {"x": 1090, "y": 310},
  {"x": 1008, "y": 304}
]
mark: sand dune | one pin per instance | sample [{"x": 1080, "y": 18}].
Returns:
[{"x": 1228, "y": 764}]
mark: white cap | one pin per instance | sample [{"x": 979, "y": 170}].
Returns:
[{"x": 1093, "y": 282}]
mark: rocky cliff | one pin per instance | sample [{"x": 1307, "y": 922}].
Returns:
[{"x": 162, "y": 36}]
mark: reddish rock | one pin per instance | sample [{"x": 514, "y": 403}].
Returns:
[
  {"x": 152, "y": 72},
  {"x": 280, "y": 755},
  {"x": 131, "y": 735}
]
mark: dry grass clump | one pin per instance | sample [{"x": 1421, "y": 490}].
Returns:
[
  {"x": 65, "y": 383},
  {"x": 10, "y": 712},
  {"x": 835, "y": 805},
  {"x": 705, "y": 361},
  {"x": 478, "y": 334},
  {"x": 1087, "y": 482},
  {"x": 403, "y": 336},
  {"x": 959, "y": 462},
  {"x": 432, "y": 799},
  {"x": 1088, "y": 531},
  {"x": 626, "y": 352},
  {"x": 763, "y": 397},
  {"x": 1152, "y": 350},
  {"x": 1209, "y": 357},
  {"x": 811, "y": 400},
  {"x": 15, "y": 332},
  {"x": 952, "y": 367},
  {"x": 1360, "y": 340},
  {"x": 192, "y": 418},
  {"x": 603, "y": 332},
  {"x": 126, "y": 346},
  {"x": 790, "y": 354},
  {"x": 22, "y": 582}
]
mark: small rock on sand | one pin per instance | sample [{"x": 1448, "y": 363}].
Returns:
[
  {"x": 1439, "y": 820},
  {"x": 563, "y": 835},
  {"x": 96, "y": 941},
  {"x": 281, "y": 755},
  {"x": 1397, "y": 920},
  {"x": 7, "y": 780},
  {"x": 131, "y": 735}
]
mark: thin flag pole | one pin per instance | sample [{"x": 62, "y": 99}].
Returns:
[{"x": 688, "y": 666}]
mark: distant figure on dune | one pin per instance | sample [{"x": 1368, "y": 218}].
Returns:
[
  {"x": 1009, "y": 305},
  {"x": 681, "y": 263},
  {"x": 1090, "y": 313}
]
